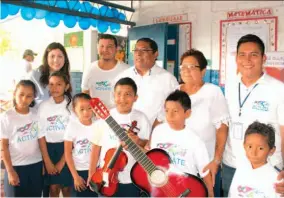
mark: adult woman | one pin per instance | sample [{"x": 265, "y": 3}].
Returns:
[
  {"x": 209, "y": 118},
  {"x": 55, "y": 58}
]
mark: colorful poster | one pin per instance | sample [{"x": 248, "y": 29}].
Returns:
[{"x": 274, "y": 65}]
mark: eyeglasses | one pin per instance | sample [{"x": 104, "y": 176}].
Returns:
[
  {"x": 142, "y": 50},
  {"x": 189, "y": 67}
]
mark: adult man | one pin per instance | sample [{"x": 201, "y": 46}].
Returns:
[
  {"x": 25, "y": 66},
  {"x": 98, "y": 79},
  {"x": 253, "y": 96},
  {"x": 154, "y": 83}
]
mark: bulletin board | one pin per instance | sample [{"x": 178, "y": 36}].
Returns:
[{"x": 232, "y": 30}]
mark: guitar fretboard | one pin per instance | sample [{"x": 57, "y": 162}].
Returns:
[{"x": 134, "y": 150}]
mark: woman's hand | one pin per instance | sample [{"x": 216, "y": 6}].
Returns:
[{"x": 13, "y": 178}]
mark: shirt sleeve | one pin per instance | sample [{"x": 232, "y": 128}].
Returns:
[
  {"x": 4, "y": 132},
  {"x": 219, "y": 111},
  {"x": 69, "y": 135},
  {"x": 85, "y": 79},
  {"x": 201, "y": 158},
  {"x": 153, "y": 142},
  {"x": 41, "y": 125},
  {"x": 99, "y": 128}
]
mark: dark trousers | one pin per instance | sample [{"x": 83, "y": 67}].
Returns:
[
  {"x": 127, "y": 190},
  {"x": 31, "y": 181},
  {"x": 227, "y": 177},
  {"x": 218, "y": 184}
]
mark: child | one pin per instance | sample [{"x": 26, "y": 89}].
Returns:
[
  {"x": 20, "y": 149},
  {"x": 255, "y": 177},
  {"x": 54, "y": 115},
  {"x": 187, "y": 151},
  {"x": 77, "y": 145},
  {"x": 125, "y": 94}
]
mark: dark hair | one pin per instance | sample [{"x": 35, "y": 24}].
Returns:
[
  {"x": 265, "y": 130},
  {"x": 127, "y": 81},
  {"x": 152, "y": 43},
  {"x": 198, "y": 55},
  {"x": 44, "y": 68},
  {"x": 108, "y": 36},
  {"x": 67, "y": 81},
  {"x": 26, "y": 83},
  {"x": 253, "y": 39},
  {"x": 80, "y": 96},
  {"x": 180, "y": 97}
]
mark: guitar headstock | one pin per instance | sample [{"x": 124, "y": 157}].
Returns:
[{"x": 99, "y": 108}]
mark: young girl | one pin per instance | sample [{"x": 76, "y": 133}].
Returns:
[
  {"x": 77, "y": 145},
  {"x": 20, "y": 149},
  {"x": 55, "y": 59},
  {"x": 53, "y": 117}
]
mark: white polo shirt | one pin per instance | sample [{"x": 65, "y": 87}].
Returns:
[
  {"x": 264, "y": 104},
  {"x": 99, "y": 82},
  {"x": 153, "y": 89}
]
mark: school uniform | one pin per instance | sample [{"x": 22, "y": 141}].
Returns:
[
  {"x": 53, "y": 119},
  {"x": 107, "y": 139},
  {"x": 22, "y": 132},
  {"x": 187, "y": 151},
  {"x": 80, "y": 135}
]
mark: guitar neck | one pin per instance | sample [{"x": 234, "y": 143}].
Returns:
[{"x": 133, "y": 148}]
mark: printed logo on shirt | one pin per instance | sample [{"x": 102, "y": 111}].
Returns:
[
  {"x": 27, "y": 132},
  {"x": 103, "y": 85},
  {"x": 83, "y": 147},
  {"x": 56, "y": 123},
  {"x": 246, "y": 191},
  {"x": 175, "y": 151},
  {"x": 260, "y": 105}
]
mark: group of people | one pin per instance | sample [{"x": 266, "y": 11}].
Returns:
[{"x": 53, "y": 142}]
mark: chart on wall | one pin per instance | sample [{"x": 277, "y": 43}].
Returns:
[{"x": 232, "y": 30}]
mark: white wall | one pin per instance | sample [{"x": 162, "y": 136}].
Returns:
[{"x": 205, "y": 17}]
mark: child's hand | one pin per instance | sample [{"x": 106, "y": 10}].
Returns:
[
  {"x": 51, "y": 170},
  {"x": 79, "y": 184},
  {"x": 59, "y": 166},
  {"x": 133, "y": 136},
  {"x": 13, "y": 178}
]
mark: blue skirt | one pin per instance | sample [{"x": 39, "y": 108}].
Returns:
[{"x": 64, "y": 178}]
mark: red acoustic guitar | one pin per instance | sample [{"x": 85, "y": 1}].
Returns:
[{"x": 153, "y": 171}]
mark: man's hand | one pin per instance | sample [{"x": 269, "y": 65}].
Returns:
[{"x": 213, "y": 167}]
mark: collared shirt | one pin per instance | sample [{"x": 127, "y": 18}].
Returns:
[
  {"x": 153, "y": 89},
  {"x": 264, "y": 104}
]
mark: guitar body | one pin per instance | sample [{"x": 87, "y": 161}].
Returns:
[{"x": 169, "y": 182}]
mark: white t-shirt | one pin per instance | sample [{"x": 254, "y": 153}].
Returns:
[
  {"x": 249, "y": 182},
  {"x": 53, "y": 119},
  {"x": 22, "y": 132},
  {"x": 99, "y": 82},
  {"x": 107, "y": 139},
  {"x": 264, "y": 104},
  {"x": 208, "y": 111},
  {"x": 153, "y": 89},
  {"x": 80, "y": 135},
  {"x": 187, "y": 151}
]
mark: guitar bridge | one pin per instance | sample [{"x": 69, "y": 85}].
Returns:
[{"x": 185, "y": 193}]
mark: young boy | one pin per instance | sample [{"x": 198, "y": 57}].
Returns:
[
  {"x": 125, "y": 94},
  {"x": 187, "y": 151},
  {"x": 254, "y": 176}
]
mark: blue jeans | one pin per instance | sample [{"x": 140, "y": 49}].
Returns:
[
  {"x": 218, "y": 184},
  {"x": 227, "y": 177}
]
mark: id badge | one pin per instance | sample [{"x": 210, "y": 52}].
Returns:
[{"x": 238, "y": 130}]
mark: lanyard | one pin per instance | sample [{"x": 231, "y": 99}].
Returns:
[{"x": 241, "y": 104}]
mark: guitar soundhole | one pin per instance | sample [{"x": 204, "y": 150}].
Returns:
[{"x": 158, "y": 178}]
